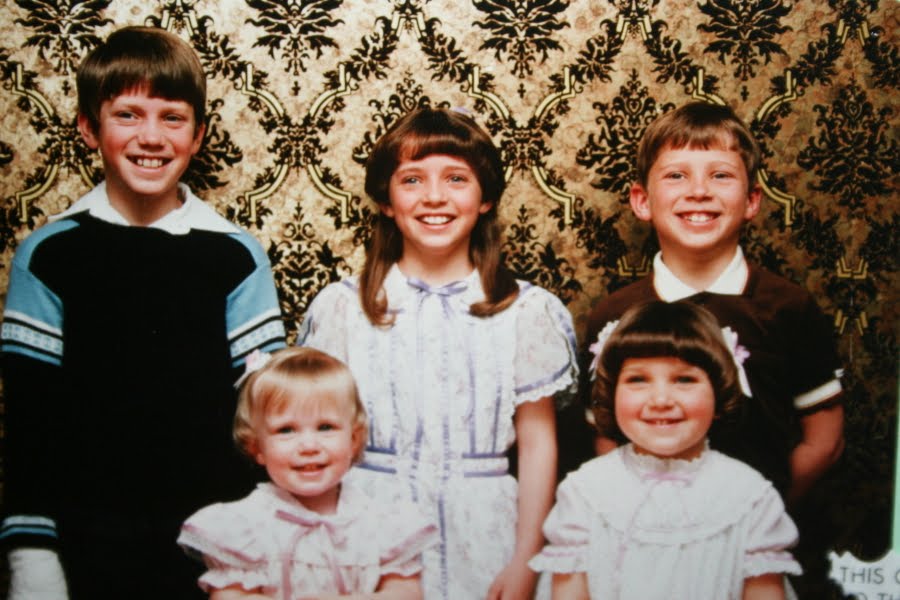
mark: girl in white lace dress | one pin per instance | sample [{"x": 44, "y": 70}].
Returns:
[
  {"x": 666, "y": 517},
  {"x": 454, "y": 358},
  {"x": 309, "y": 533}
]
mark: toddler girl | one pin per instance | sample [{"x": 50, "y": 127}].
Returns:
[
  {"x": 665, "y": 516},
  {"x": 455, "y": 359},
  {"x": 308, "y": 532}
]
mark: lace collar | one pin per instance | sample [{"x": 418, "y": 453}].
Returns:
[{"x": 647, "y": 466}]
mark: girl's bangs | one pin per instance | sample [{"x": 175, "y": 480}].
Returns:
[
  {"x": 654, "y": 345},
  {"x": 418, "y": 145}
]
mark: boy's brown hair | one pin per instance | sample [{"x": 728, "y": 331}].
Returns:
[
  {"x": 698, "y": 125},
  {"x": 134, "y": 58}
]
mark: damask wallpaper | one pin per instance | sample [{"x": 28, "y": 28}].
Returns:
[{"x": 300, "y": 89}]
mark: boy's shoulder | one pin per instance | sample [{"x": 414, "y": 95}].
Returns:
[
  {"x": 40, "y": 237},
  {"x": 762, "y": 280},
  {"x": 613, "y": 306}
]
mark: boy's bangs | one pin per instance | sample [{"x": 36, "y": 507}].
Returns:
[
  {"x": 707, "y": 138},
  {"x": 156, "y": 82}
]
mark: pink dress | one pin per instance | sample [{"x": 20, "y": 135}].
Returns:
[
  {"x": 644, "y": 528},
  {"x": 269, "y": 540}
]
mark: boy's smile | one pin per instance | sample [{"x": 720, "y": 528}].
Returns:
[
  {"x": 146, "y": 144},
  {"x": 698, "y": 200}
]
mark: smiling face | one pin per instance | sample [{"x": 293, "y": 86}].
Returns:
[
  {"x": 435, "y": 202},
  {"x": 665, "y": 406},
  {"x": 306, "y": 446},
  {"x": 698, "y": 200},
  {"x": 146, "y": 144}
]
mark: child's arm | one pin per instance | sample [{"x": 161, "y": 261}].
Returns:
[
  {"x": 603, "y": 444},
  {"x": 763, "y": 587},
  {"x": 822, "y": 444},
  {"x": 536, "y": 435},
  {"x": 237, "y": 593},
  {"x": 570, "y": 586}
]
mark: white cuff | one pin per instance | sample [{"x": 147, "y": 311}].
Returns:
[{"x": 36, "y": 574}]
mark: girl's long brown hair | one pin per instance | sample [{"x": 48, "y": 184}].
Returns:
[{"x": 420, "y": 133}]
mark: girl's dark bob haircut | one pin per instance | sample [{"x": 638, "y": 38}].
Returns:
[{"x": 662, "y": 329}]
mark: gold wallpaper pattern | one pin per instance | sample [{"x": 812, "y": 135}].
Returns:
[{"x": 300, "y": 89}]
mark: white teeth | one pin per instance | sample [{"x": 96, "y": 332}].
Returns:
[
  {"x": 698, "y": 217},
  {"x": 435, "y": 220},
  {"x": 151, "y": 163}
]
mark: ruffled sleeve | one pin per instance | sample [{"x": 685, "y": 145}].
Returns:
[
  {"x": 229, "y": 547},
  {"x": 410, "y": 534},
  {"x": 328, "y": 319},
  {"x": 545, "y": 359},
  {"x": 770, "y": 533},
  {"x": 567, "y": 529}
]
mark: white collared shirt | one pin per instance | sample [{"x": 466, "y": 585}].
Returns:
[
  {"x": 730, "y": 282},
  {"x": 192, "y": 214}
]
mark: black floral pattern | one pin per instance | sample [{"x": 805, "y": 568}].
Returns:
[
  {"x": 746, "y": 32},
  {"x": 301, "y": 89}
]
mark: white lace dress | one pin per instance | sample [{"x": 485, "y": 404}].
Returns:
[
  {"x": 441, "y": 387},
  {"x": 647, "y": 528},
  {"x": 269, "y": 540}
]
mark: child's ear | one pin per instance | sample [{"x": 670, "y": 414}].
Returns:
[
  {"x": 358, "y": 438},
  {"x": 87, "y": 132},
  {"x": 387, "y": 210},
  {"x": 198, "y": 138},
  {"x": 485, "y": 207},
  {"x": 754, "y": 201},
  {"x": 640, "y": 202},
  {"x": 254, "y": 451}
]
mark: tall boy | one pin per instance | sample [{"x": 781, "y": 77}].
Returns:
[
  {"x": 126, "y": 324},
  {"x": 696, "y": 169}
]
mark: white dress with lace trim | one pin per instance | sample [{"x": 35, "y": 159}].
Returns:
[
  {"x": 648, "y": 528},
  {"x": 441, "y": 388},
  {"x": 269, "y": 541}
]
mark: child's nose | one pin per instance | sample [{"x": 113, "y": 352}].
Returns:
[
  {"x": 434, "y": 192},
  {"x": 308, "y": 443},
  {"x": 150, "y": 132},
  {"x": 699, "y": 187},
  {"x": 659, "y": 397}
]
